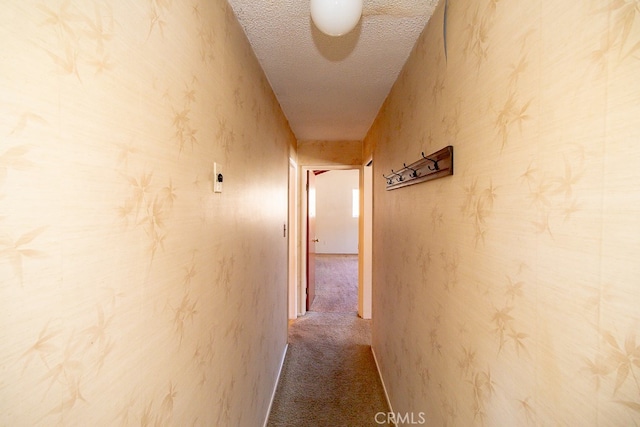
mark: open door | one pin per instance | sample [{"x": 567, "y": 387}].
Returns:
[{"x": 311, "y": 238}]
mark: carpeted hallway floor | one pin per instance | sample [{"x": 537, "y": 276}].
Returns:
[
  {"x": 336, "y": 284},
  {"x": 329, "y": 377}
]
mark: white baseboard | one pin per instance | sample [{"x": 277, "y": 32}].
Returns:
[
  {"x": 275, "y": 387},
  {"x": 384, "y": 387}
]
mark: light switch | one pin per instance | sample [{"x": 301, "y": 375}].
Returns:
[{"x": 218, "y": 177}]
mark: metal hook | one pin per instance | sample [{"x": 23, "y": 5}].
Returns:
[
  {"x": 414, "y": 173},
  {"x": 435, "y": 163},
  {"x": 400, "y": 177},
  {"x": 388, "y": 178}
]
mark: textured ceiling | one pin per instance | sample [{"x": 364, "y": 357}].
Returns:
[{"x": 331, "y": 88}]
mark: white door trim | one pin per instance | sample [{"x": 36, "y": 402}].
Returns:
[
  {"x": 365, "y": 268},
  {"x": 292, "y": 241},
  {"x": 302, "y": 232}
]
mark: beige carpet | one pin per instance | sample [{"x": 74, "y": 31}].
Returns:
[
  {"x": 336, "y": 284},
  {"x": 329, "y": 377}
]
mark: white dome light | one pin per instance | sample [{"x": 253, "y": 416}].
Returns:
[{"x": 336, "y": 17}]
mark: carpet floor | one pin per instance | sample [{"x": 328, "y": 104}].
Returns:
[
  {"x": 336, "y": 284},
  {"x": 329, "y": 376}
]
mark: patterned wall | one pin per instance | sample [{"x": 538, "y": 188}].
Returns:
[
  {"x": 509, "y": 293},
  {"x": 329, "y": 153},
  {"x": 130, "y": 294}
]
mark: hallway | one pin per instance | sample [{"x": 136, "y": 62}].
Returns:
[
  {"x": 133, "y": 293},
  {"x": 329, "y": 377}
]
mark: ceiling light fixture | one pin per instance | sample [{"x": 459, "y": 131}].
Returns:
[{"x": 336, "y": 17}]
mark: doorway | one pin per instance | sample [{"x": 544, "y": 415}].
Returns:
[
  {"x": 364, "y": 285},
  {"x": 333, "y": 206}
]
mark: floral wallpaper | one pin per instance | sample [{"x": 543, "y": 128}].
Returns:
[
  {"x": 130, "y": 293},
  {"x": 509, "y": 293},
  {"x": 329, "y": 153}
]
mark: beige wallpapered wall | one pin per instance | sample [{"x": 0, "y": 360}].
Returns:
[
  {"x": 329, "y": 153},
  {"x": 509, "y": 293},
  {"x": 130, "y": 294}
]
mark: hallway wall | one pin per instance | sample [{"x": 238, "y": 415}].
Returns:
[
  {"x": 130, "y": 293},
  {"x": 329, "y": 153},
  {"x": 509, "y": 293}
]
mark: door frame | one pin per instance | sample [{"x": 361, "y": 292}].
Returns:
[
  {"x": 364, "y": 306},
  {"x": 365, "y": 241},
  {"x": 292, "y": 241},
  {"x": 310, "y": 245}
]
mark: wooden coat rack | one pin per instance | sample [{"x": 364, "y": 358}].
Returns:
[{"x": 429, "y": 167}]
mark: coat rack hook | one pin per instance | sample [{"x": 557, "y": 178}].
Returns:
[
  {"x": 414, "y": 173},
  {"x": 435, "y": 163},
  {"x": 388, "y": 178},
  {"x": 399, "y": 175}
]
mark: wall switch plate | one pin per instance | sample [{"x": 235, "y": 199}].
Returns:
[{"x": 218, "y": 177}]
